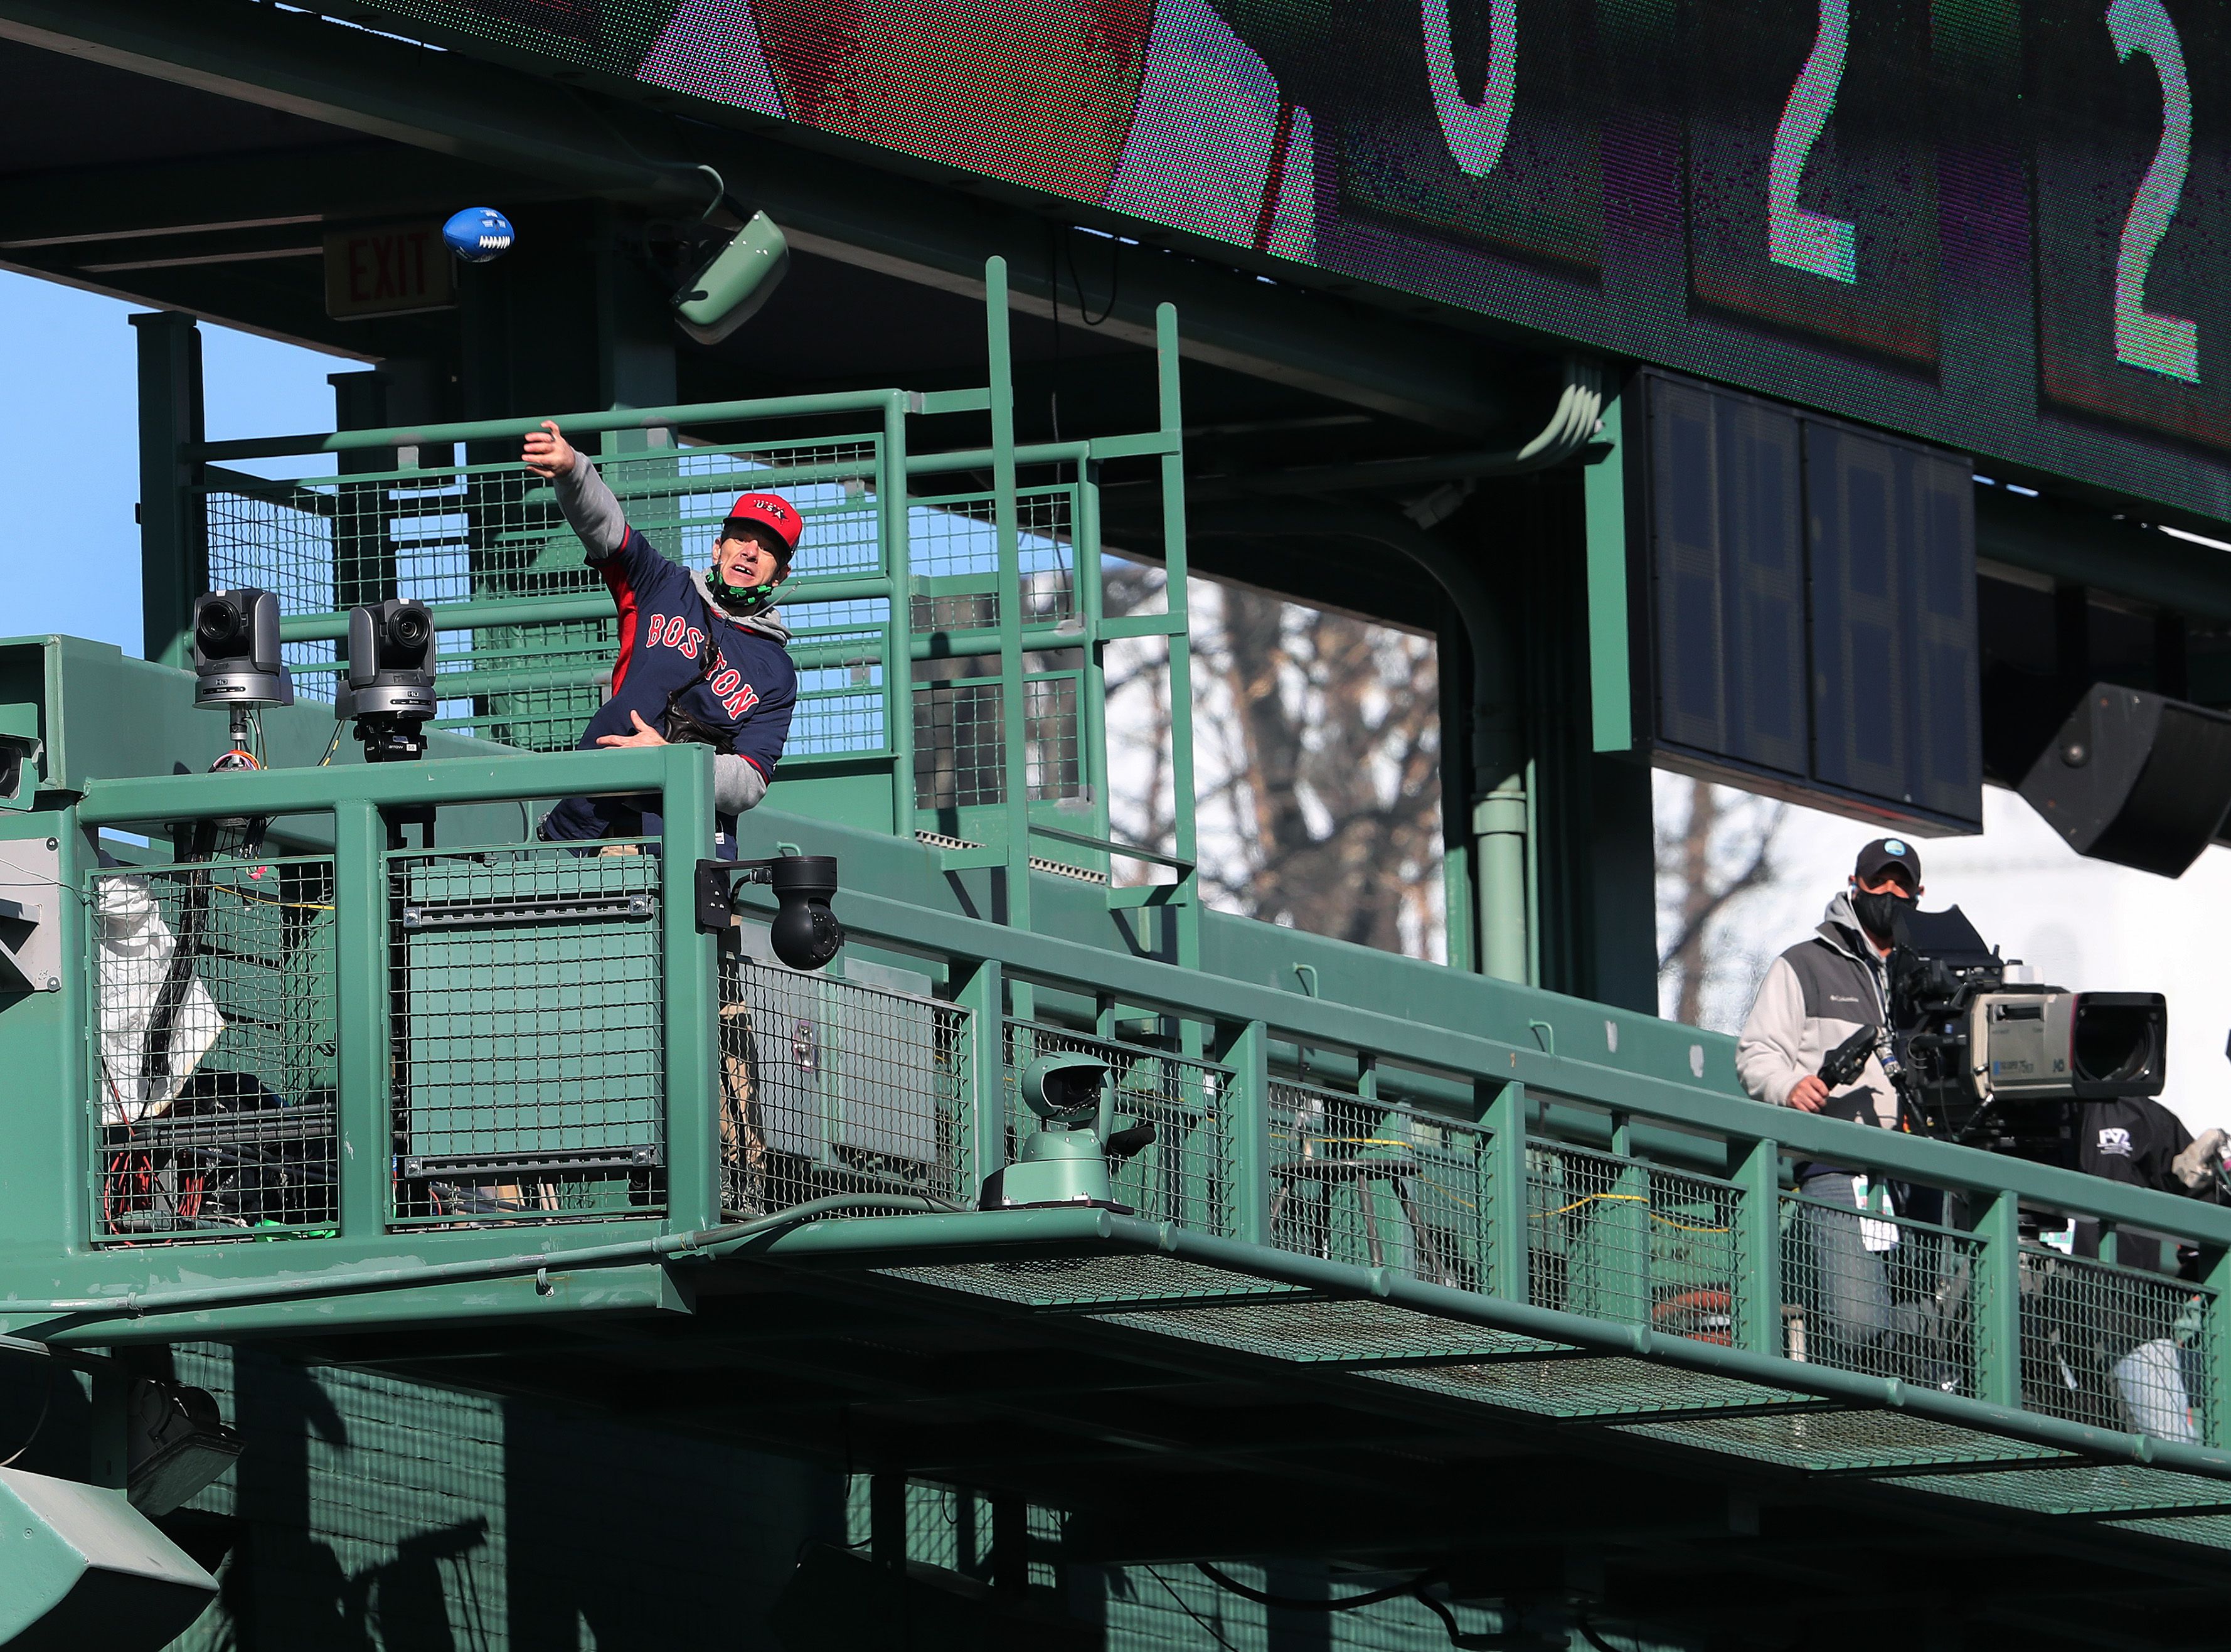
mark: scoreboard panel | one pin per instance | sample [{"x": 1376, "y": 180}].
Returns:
[
  {"x": 1998, "y": 226},
  {"x": 1806, "y": 593}
]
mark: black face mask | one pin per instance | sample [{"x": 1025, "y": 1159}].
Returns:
[{"x": 1878, "y": 913}]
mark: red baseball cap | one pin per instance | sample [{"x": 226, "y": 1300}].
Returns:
[{"x": 768, "y": 510}]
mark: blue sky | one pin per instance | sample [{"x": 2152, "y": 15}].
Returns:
[{"x": 68, "y": 446}]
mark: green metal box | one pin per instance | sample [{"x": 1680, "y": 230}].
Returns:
[
  {"x": 846, "y": 1072},
  {"x": 528, "y": 1003}
]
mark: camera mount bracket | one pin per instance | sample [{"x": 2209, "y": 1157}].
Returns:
[{"x": 805, "y": 932}]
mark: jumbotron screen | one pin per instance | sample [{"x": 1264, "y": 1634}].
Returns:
[{"x": 1999, "y": 226}]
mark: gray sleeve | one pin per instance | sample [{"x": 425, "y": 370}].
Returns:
[
  {"x": 1770, "y": 1058},
  {"x": 590, "y": 509},
  {"x": 737, "y": 785}
]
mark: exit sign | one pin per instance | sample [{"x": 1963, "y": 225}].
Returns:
[{"x": 388, "y": 270}]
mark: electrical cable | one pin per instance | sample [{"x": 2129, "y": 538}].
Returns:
[
  {"x": 46, "y": 1403},
  {"x": 1296, "y": 1603},
  {"x": 1214, "y": 1633},
  {"x": 1414, "y": 1590},
  {"x": 1115, "y": 277},
  {"x": 1589, "y": 1634}
]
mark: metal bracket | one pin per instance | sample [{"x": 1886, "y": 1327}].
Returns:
[
  {"x": 716, "y": 914},
  {"x": 540, "y": 908},
  {"x": 30, "y": 940},
  {"x": 622, "y": 1157},
  {"x": 716, "y": 890}
]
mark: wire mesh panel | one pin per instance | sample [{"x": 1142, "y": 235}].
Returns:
[
  {"x": 214, "y": 991},
  {"x": 527, "y": 1034},
  {"x": 953, "y": 551},
  {"x": 1379, "y": 1184},
  {"x": 2116, "y": 1347},
  {"x": 831, "y": 1086},
  {"x": 1618, "y": 1238},
  {"x": 1184, "y": 1173},
  {"x": 1867, "y": 1289},
  {"x": 840, "y": 651},
  {"x": 959, "y": 742}
]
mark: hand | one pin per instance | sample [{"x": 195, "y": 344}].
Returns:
[
  {"x": 1808, "y": 1094},
  {"x": 645, "y": 734},
  {"x": 2195, "y": 1166},
  {"x": 549, "y": 454}
]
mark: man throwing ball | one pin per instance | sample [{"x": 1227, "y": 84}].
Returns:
[{"x": 702, "y": 655}]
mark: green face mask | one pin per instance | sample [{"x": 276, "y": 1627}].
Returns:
[{"x": 743, "y": 600}]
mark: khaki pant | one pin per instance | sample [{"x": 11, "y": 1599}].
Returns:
[{"x": 743, "y": 1144}]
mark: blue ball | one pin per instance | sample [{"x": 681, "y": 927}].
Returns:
[{"x": 478, "y": 234}]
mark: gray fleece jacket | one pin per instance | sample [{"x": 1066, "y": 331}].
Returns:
[
  {"x": 1815, "y": 997},
  {"x": 594, "y": 514}
]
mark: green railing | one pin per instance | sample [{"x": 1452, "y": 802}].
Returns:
[{"x": 483, "y": 1037}]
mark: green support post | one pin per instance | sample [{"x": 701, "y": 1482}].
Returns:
[
  {"x": 109, "y": 1424},
  {"x": 1014, "y": 701},
  {"x": 362, "y": 1024},
  {"x": 1507, "y": 1193},
  {"x": 76, "y": 853},
  {"x": 981, "y": 991},
  {"x": 886, "y": 1519},
  {"x": 898, "y": 653},
  {"x": 2214, "y": 1395},
  {"x": 1998, "y": 1320},
  {"x": 1758, "y": 1248},
  {"x": 1246, "y": 1048},
  {"x": 1604, "y": 496},
  {"x": 690, "y": 991},
  {"x": 173, "y": 539},
  {"x": 1185, "y": 911},
  {"x": 364, "y": 563},
  {"x": 1090, "y": 594},
  {"x": 1615, "y": 1239}
]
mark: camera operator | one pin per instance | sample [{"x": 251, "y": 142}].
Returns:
[
  {"x": 2136, "y": 1140},
  {"x": 1816, "y": 996}
]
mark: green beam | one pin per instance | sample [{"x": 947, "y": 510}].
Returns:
[
  {"x": 359, "y": 81},
  {"x": 173, "y": 546},
  {"x": 67, "y": 209},
  {"x": 1015, "y": 732},
  {"x": 687, "y": 993},
  {"x": 1758, "y": 1239},
  {"x": 315, "y": 791},
  {"x": 1603, "y": 490},
  {"x": 363, "y": 1025},
  {"x": 692, "y": 414}
]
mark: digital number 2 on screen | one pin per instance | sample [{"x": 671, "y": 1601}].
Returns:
[
  {"x": 2164, "y": 343},
  {"x": 2131, "y": 210},
  {"x": 1803, "y": 240}
]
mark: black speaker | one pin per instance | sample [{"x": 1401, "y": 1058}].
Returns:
[{"x": 2134, "y": 778}]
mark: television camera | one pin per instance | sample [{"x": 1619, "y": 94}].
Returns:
[{"x": 2003, "y": 1065}]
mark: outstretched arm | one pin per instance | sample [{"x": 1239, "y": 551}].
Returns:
[{"x": 590, "y": 507}]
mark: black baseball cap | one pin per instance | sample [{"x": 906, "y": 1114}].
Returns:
[{"x": 1888, "y": 854}]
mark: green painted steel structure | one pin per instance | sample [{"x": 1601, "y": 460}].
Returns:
[{"x": 510, "y": 1104}]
